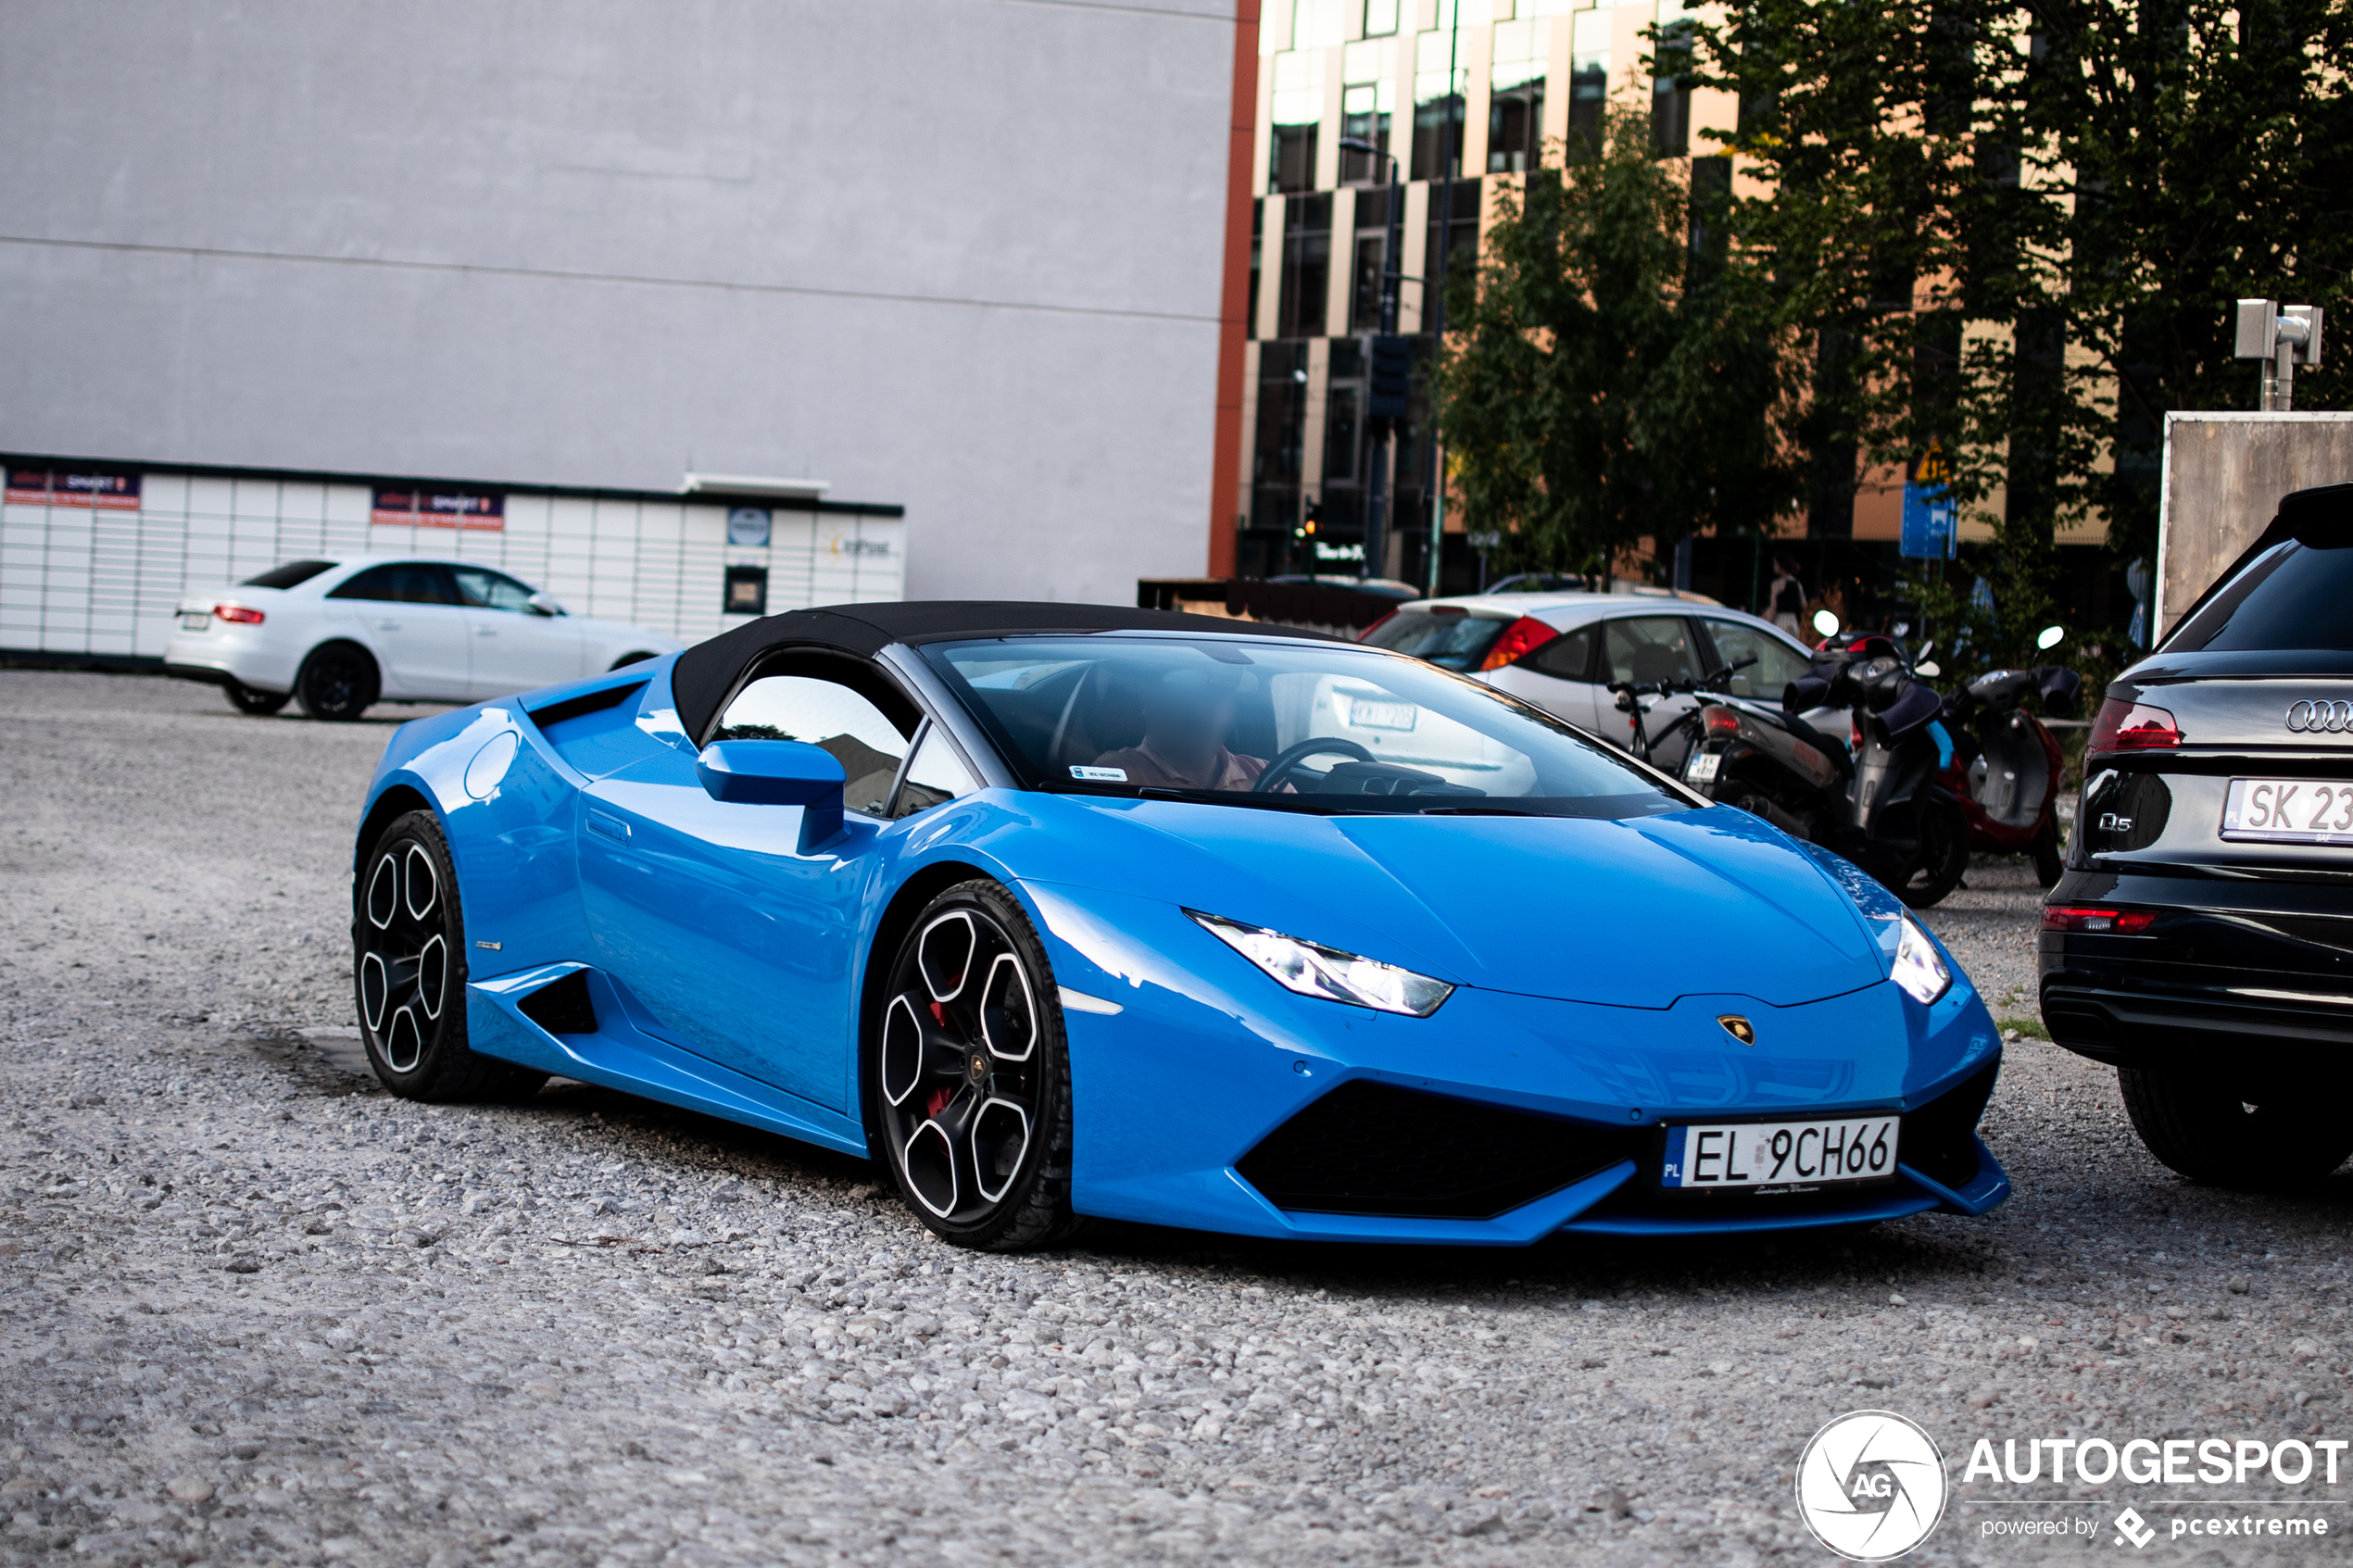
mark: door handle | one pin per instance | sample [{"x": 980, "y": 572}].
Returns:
[
  {"x": 388, "y": 625},
  {"x": 612, "y": 827},
  {"x": 485, "y": 630}
]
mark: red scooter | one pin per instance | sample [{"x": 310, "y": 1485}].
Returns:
[{"x": 2005, "y": 767}]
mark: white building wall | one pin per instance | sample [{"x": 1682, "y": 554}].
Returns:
[{"x": 958, "y": 255}]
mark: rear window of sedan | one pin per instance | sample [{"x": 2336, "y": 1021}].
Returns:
[
  {"x": 288, "y": 575},
  {"x": 2292, "y": 596},
  {"x": 1452, "y": 639}
]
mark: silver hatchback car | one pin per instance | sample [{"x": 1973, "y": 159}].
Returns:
[{"x": 1562, "y": 650}]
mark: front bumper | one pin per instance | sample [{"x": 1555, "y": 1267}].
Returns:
[
  {"x": 2256, "y": 974},
  {"x": 1250, "y": 1065}
]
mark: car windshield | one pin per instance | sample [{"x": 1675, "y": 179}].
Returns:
[
  {"x": 1450, "y": 638},
  {"x": 291, "y": 574},
  {"x": 1290, "y": 725}
]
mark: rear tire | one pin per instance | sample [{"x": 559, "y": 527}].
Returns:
[
  {"x": 967, "y": 1076},
  {"x": 1944, "y": 857},
  {"x": 338, "y": 682},
  {"x": 408, "y": 971},
  {"x": 2197, "y": 1123},
  {"x": 260, "y": 704},
  {"x": 2049, "y": 860}
]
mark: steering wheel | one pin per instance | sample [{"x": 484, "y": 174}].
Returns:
[{"x": 1278, "y": 773}]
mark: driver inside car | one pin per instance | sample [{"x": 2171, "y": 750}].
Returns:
[{"x": 1187, "y": 715}]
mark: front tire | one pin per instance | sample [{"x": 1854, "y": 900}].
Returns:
[
  {"x": 2198, "y": 1124},
  {"x": 968, "y": 1076},
  {"x": 1944, "y": 856},
  {"x": 338, "y": 682},
  {"x": 260, "y": 704},
  {"x": 2048, "y": 862},
  {"x": 408, "y": 971}
]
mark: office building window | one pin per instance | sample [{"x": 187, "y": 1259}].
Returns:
[
  {"x": 1276, "y": 449},
  {"x": 1380, "y": 17},
  {"x": 1516, "y": 112},
  {"x": 1368, "y": 96},
  {"x": 1437, "y": 104},
  {"x": 1307, "y": 266},
  {"x": 1456, "y": 242},
  {"x": 1318, "y": 24},
  {"x": 1670, "y": 100},
  {"x": 1296, "y": 115},
  {"x": 1371, "y": 260},
  {"x": 1257, "y": 255},
  {"x": 1339, "y": 433},
  {"x": 1588, "y": 78}
]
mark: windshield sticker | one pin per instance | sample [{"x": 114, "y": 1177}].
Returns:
[{"x": 1099, "y": 775}]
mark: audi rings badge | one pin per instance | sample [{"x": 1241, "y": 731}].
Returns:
[{"x": 2310, "y": 717}]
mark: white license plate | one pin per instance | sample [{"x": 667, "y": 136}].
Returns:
[
  {"x": 2289, "y": 811},
  {"x": 195, "y": 620},
  {"x": 1701, "y": 767},
  {"x": 1793, "y": 1154}
]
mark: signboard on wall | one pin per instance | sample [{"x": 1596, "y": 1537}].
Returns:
[
  {"x": 749, "y": 526},
  {"x": 1932, "y": 517},
  {"x": 60, "y": 487},
  {"x": 411, "y": 507}
]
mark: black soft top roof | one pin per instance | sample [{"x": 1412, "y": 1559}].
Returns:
[{"x": 708, "y": 671}]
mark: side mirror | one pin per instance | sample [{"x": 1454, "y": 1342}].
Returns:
[
  {"x": 778, "y": 772},
  {"x": 1927, "y": 669},
  {"x": 2051, "y": 637},
  {"x": 1826, "y": 623},
  {"x": 542, "y": 604}
]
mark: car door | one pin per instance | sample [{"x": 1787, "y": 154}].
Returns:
[
  {"x": 516, "y": 648},
  {"x": 1558, "y": 677},
  {"x": 743, "y": 948},
  {"x": 410, "y": 613}
]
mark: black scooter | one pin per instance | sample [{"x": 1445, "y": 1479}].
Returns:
[{"x": 1874, "y": 799}]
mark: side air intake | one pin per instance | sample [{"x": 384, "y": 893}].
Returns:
[
  {"x": 1374, "y": 1149},
  {"x": 562, "y": 1006}
]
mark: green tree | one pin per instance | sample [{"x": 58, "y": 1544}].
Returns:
[
  {"x": 1611, "y": 374},
  {"x": 2015, "y": 230}
]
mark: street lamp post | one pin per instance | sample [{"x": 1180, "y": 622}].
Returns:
[{"x": 1378, "y": 449}]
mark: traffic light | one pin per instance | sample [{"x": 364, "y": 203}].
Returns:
[
  {"x": 1314, "y": 517},
  {"x": 1391, "y": 377}
]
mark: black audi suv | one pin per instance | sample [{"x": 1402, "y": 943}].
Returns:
[{"x": 2201, "y": 938}]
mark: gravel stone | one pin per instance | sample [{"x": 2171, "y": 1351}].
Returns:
[{"x": 257, "y": 1311}]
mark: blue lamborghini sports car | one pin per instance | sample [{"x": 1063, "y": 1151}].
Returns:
[{"x": 1061, "y": 911}]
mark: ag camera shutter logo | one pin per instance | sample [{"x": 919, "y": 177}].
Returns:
[{"x": 1872, "y": 1486}]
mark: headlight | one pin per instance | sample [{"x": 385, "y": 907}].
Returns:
[
  {"x": 1313, "y": 970},
  {"x": 1920, "y": 968}
]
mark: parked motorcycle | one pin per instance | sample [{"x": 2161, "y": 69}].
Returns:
[
  {"x": 2005, "y": 766},
  {"x": 1875, "y": 798}
]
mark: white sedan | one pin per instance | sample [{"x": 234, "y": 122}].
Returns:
[
  {"x": 1561, "y": 651},
  {"x": 337, "y": 636}
]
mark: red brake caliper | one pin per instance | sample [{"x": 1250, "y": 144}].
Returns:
[{"x": 941, "y": 1096}]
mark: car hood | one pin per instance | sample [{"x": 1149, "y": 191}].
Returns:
[{"x": 1631, "y": 913}]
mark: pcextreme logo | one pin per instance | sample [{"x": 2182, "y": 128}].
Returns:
[{"x": 1872, "y": 1486}]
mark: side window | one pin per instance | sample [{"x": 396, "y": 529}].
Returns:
[
  {"x": 829, "y": 715},
  {"x": 936, "y": 776},
  {"x": 1650, "y": 647},
  {"x": 1569, "y": 656},
  {"x": 1777, "y": 664},
  {"x": 404, "y": 581},
  {"x": 485, "y": 589}
]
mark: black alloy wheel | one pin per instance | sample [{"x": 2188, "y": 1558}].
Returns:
[
  {"x": 338, "y": 682},
  {"x": 408, "y": 969},
  {"x": 970, "y": 1077},
  {"x": 261, "y": 703},
  {"x": 2194, "y": 1119}
]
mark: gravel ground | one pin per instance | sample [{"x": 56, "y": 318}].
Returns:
[{"x": 254, "y": 1309}]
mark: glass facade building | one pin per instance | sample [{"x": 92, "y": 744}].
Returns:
[{"x": 1459, "y": 98}]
